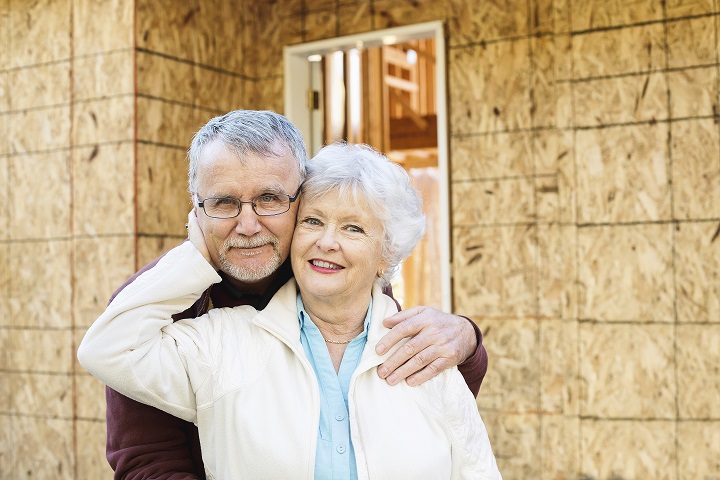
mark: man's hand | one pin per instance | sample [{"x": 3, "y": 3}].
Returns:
[{"x": 438, "y": 341}]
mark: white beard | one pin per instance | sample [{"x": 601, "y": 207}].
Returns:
[{"x": 244, "y": 274}]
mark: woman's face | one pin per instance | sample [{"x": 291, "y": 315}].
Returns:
[{"x": 336, "y": 249}]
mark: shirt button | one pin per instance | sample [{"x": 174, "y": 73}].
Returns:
[
  {"x": 341, "y": 449},
  {"x": 339, "y": 417}
]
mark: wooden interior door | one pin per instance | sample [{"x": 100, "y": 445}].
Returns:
[{"x": 394, "y": 89}]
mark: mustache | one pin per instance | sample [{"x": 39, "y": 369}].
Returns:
[{"x": 251, "y": 242}]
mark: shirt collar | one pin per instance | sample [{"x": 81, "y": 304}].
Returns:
[
  {"x": 225, "y": 294},
  {"x": 303, "y": 316}
]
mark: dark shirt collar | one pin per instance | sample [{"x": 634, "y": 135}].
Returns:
[{"x": 225, "y": 294}]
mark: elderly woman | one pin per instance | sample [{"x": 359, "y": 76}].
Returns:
[{"x": 331, "y": 416}]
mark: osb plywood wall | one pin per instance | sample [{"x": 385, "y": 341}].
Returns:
[
  {"x": 585, "y": 169},
  {"x": 99, "y": 100},
  {"x": 66, "y": 160}
]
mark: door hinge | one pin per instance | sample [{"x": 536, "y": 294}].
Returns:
[{"x": 313, "y": 99}]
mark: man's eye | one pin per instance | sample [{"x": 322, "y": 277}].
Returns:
[
  {"x": 267, "y": 198},
  {"x": 224, "y": 201}
]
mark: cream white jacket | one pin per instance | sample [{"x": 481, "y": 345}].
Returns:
[{"x": 241, "y": 375}]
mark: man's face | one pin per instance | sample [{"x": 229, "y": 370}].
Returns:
[{"x": 248, "y": 248}]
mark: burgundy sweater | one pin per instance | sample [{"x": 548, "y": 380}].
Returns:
[{"x": 144, "y": 442}]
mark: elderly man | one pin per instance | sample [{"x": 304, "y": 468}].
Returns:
[{"x": 253, "y": 163}]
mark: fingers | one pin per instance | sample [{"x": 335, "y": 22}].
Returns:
[
  {"x": 402, "y": 326},
  {"x": 437, "y": 341},
  {"x": 405, "y": 359},
  {"x": 430, "y": 371},
  {"x": 401, "y": 316},
  {"x": 421, "y": 367},
  {"x": 426, "y": 346}
]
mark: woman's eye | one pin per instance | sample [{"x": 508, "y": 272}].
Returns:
[
  {"x": 311, "y": 221},
  {"x": 355, "y": 229}
]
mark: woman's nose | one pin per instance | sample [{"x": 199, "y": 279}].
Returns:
[{"x": 328, "y": 240}]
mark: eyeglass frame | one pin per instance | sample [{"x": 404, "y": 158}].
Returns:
[{"x": 291, "y": 199}]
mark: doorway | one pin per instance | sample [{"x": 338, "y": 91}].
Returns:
[{"x": 387, "y": 89}]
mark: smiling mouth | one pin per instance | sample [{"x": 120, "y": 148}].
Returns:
[{"x": 323, "y": 264}]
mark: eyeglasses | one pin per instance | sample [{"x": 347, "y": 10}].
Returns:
[{"x": 265, "y": 205}]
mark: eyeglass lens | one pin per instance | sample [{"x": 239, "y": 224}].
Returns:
[{"x": 262, "y": 204}]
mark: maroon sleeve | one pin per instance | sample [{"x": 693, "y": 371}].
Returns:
[
  {"x": 474, "y": 368},
  {"x": 144, "y": 442}
]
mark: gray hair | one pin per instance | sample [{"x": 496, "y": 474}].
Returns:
[
  {"x": 360, "y": 171},
  {"x": 246, "y": 132}
]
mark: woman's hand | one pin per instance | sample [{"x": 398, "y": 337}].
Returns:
[{"x": 196, "y": 237}]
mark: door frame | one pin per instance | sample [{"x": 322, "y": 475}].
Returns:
[{"x": 298, "y": 73}]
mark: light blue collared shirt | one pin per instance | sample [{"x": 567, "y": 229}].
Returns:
[{"x": 335, "y": 457}]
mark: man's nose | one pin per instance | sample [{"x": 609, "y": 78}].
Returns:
[{"x": 248, "y": 222}]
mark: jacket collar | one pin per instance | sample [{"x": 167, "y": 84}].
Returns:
[
  {"x": 280, "y": 318},
  {"x": 383, "y": 307}
]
